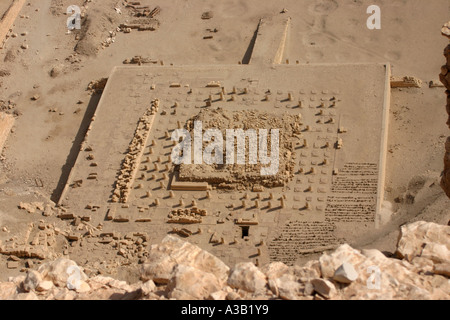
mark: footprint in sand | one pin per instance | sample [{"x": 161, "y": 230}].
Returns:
[
  {"x": 215, "y": 47},
  {"x": 323, "y": 6},
  {"x": 393, "y": 55},
  {"x": 399, "y": 3},
  {"x": 395, "y": 39},
  {"x": 302, "y": 26},
  {"x": 314, "y": 56},
  {"x": 342, "y": 57},
  {"x": 231, "y": 9}
]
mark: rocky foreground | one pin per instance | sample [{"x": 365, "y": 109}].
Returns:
[{"x": 180, "y": 270}]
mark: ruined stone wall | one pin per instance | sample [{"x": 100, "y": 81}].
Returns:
[
  {"x": 176, "y": 269},
  {"x": 445, "y": 79}
]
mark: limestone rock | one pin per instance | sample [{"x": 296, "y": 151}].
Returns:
[
  {"x": 233, "y": 296},
  {"x": 7, "y": 290},
  {"x": 436, "y": 252},
  {"x": 17, "y": 280},
  {"x": 374, "y": 255},
  {"x": 442, "y": 269},
  {"x": 446, "y": 30},
  {"x": 25, "y": 296},
  {"x": 65, "y": 294},
  {"x": 329, "y": 263},
  {"x": 309, "y": 289},
  {"x": 30, "y": 207},
  {"x": 99, "y": 294},
  {"x": 190, "y": 283},
  {"x": 148, "y": 287},
  {"x": 98, "y": 282},
  {"x": 207, "y": 15},
  {"x": 59, "y": 271},
  {"x": 32, "y": 280},
  {"x": 324, "y": 287},
  {"x": 82, "y": 287},
  {"x": 121, "y": 285},
  {"x": 218, "y": 295},
  {"x": 346, "y": 273},
  {"x": 44, "y": 286},
  {"x": 424, "y": 238},
  {"x": 288, "y": 287},
  {"x": 423, "y": 265},
  {"x": 248, "y": 277},
  {"x": 275, "y": 270},
  {"x": 172, "y": 251},
  {"x": 309, "y": 271}
]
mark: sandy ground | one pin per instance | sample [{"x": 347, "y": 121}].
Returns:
[
  {"x": 4, "y": 5},
  {"x": 44, "y": 144}
]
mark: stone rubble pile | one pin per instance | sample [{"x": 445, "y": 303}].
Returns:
[{"x": 179, "y": 270}]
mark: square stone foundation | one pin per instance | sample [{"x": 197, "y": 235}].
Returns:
[{"x": 338, "y": 179}]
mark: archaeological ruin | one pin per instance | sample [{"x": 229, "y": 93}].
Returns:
[{"x": 333, "y": 130}]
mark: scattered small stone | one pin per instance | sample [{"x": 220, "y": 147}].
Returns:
[
  {"x": 4, "y": 73},
  {"x": 446, "y": 30},
  {"x": 35, "y": 97},
  {"x": 29, "y": 264},
  {"x": 28, "y": 207},
  {"x": 56, "y": 70},
  {"x": 207, "y": 15},
  {"x": 435, "y": 84},
  {"x": 12, "y": 264}
]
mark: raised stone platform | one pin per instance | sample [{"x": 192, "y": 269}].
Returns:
[{"x": 339, "y": 156}]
